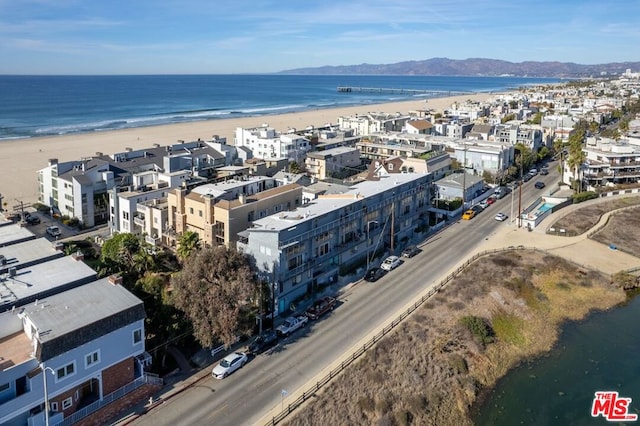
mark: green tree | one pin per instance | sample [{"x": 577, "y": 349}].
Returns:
[
  {"x": 576, "y": 156},
  {"x": 212, "y": 290},
  {"x": 188, "y": 243}
]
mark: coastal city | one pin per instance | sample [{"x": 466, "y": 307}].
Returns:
[{"x": 309, "y": 240}]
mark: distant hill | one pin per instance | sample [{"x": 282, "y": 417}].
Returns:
[{"x": 475, "y": 67}]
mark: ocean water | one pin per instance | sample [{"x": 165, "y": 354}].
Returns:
[
  {"x": 53, "y": 105},
  {"x": 597, "y": 354}
]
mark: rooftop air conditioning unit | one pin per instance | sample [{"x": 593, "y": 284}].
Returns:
[{"x": 12, "y": 271}]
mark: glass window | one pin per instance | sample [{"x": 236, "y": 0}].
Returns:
[
  {"x": 137, "y": 336},
  {"x": 92, "y": 358},
  {"x": 67, "y": 403},
  {"x": 66, "y": 371}
]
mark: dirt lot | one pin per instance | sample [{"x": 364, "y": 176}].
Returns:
[
  {"x": 616, "y": 231},
  {"x": 584, "y": 218},
  {"x": 436, "y": 364}
]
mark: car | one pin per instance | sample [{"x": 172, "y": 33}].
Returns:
[
  {"x": 477, "y": 208},
  {"x": 229, "y": 364},
  {"x": 374, "y": 274},
  {"x": 390, "y": 263},
  {"x": 501, "y": 217},
  {"x": 491, "y": 200},
  {"x": 54, "y": 231},
  {"x": 526, "y": 178},
  {"x": 533, "y": 172},
  {"x": 468, "y": 215},
  {"x": 484, "y": 204},
  {"x": 544, "y": 171},
  {"x": 32, "y": 220},
  {"x": 263, "y": 342},
  {"x": 539, "y": 185},
  {"x": 410, "y": 251}
]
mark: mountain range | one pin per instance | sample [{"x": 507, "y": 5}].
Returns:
[{"x": 475, "y": 67}]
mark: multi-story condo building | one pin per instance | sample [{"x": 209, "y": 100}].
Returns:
[
  {"x": 479, "y": 156},
  {"x": 80, "y": 189},
  {"x": 267, "y": 143},
  {"x": 69, "y": 350},
  {"x": 218, "y": 211},
  {"x": 332, "y": 162},
  {"x": 376, "y": 147},
  {"x": 374, "y": 122},
  {"x": 300, "y": 249},
  {"x": 609, "y": 162},
  {"x": 519, "y": 134}
]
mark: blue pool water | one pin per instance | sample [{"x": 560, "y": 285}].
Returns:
[{"x": 546, "y": 206}]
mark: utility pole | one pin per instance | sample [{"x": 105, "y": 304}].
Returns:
[
  {"x": 520, "y": 193},
  {"x": 393, "y": 210}
]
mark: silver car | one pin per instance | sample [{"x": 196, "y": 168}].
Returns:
[
  {"x": 390, "y": 263},
  {"x": 229, "y": 364}
]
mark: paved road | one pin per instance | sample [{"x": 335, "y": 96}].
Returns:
[
  {"x": 253, "y": 394},
  {"x": 247, "y": 395}
]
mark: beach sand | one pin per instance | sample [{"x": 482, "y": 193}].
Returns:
[{"x": 20, "y": 159}]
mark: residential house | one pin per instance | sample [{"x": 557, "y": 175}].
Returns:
[
  {"x": 608, "y": 162},
  {"x": 267, "y": 143}
]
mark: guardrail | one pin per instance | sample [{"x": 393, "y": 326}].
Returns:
[
  {"x": 108, "y": 399},
  {"x": 375, "y": 339}
]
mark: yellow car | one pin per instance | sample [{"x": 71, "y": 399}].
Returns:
[{"x": 468, "y": 215}]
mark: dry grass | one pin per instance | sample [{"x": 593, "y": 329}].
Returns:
[
  {"x": 583, "y": 219},
  {"x": 430, "y": 370},
  {"x": 617, "y": 232}
]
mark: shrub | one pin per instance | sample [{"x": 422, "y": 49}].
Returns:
[
  {"x": 479, "y": 328},
  {"x": 508, "y": 328},
  {"x": 583, "y": 196}
]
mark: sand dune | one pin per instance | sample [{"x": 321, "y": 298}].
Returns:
[{"x": 20, "y": 159}]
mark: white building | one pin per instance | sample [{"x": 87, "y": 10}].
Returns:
[{"x": 266, "y": 142}]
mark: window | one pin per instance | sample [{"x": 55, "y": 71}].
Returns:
[
  {"x": 4, "y": 387},
  {"x": 92, "y": 359},
  {"x": 137, "y": 336},
  {"x": 66, "y": 371},
  {"x": 53, "y": 406},
  {"x": 67, "y": 403},
  {"x": 190, "y": 210}
]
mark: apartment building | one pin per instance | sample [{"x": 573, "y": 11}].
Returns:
[
  {"x": 218, "y": 211},
  {"x": 69, "y": 350},
  {"x": 80, "y": 189},
  {"x": 478, "y": 156},
  {"x": 519, "y": 134},
  {"x": 308, "y": 247},
  {"x": 267, "y": 143},
  {"x": 374, "y": 122},
  {"x": 335, "y": 162},
  {"x": 609, "y": 162}
]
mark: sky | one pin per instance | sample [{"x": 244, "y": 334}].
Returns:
[{"x": 263, "y": 36}]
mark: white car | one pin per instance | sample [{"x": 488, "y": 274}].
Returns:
[
  {"x": 229, "y": 364},
  {"x": 501, "y": 217},
  {"x": 54, "y": 231},
  {"x": 390, "y": 263}
]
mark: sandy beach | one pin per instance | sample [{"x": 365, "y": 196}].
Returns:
[{"x": 20, "y": 159}]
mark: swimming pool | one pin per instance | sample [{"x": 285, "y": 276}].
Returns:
[{"x": 546, "y": 206}]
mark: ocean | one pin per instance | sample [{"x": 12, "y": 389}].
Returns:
[{"x": 33, "y": 106}]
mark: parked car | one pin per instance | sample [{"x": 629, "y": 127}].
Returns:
[
  {"x": 32, "y": 220},
  {"x": 491, "y": 200},
  {"x": 229, "y": 364},
  {"x": 54, "y": 231},
  {"x": 501, "y": 217},
  {"x": 321, "y": 307},
  {"x": 484, "y": 204},
  {"x": 410, "y": 251},
  {"x": 544, "y": 171},
  {"x": 263, "y": 342},
  {"x": 477, "y": 209},
  {"x": 374, "y": 274},
  {"x": 526, "y": 178},
  {"x": 390, "y": 263},
  {"x": 533, "y": 172},
  {"x": 468, "y": 215},
  {"x": 291, "y": 324},
  {"x": 539, "y": 184}
]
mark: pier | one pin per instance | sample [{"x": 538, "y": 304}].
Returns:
[{"x": 352, "y": 89}]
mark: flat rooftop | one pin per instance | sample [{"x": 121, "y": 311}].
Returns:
[
  {"x": 14, "y": 350},
  {"x": 65, "y": 312},
  {"x": 40, "y": 280},
  {"x": 12, "y": 234},
  {"x": 28, "y": 253}
]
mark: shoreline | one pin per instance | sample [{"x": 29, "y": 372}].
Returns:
[{"x": 20, "y": 159}]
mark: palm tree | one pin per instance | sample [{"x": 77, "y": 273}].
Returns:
[{"x": 189, "y": 242}]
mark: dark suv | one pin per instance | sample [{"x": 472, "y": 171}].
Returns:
[
  {"x": 263, "y": 342},
  {"x": 32, "y": 220}
]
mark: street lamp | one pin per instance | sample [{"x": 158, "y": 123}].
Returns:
[
  {"x": 46, "y": 396},
  {"x": 368, "y": 243}
]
